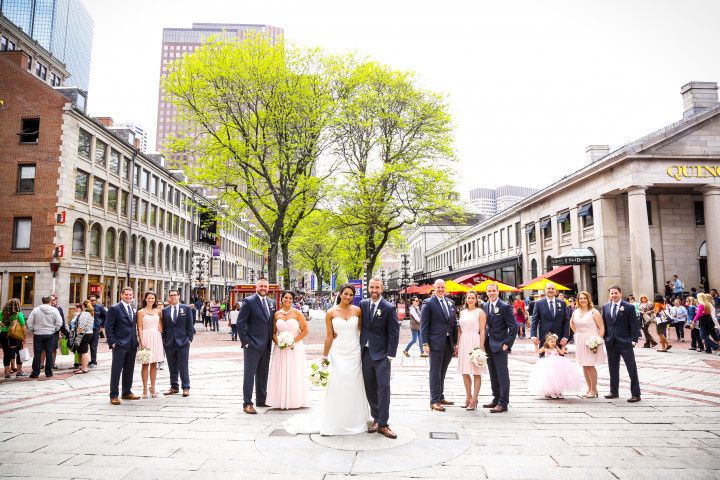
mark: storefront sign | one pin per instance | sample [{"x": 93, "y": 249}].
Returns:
[
  {"x": 95, "y": 289},
  {"x": 572, "y": 261},
  {"x": 678, "y": 172}
]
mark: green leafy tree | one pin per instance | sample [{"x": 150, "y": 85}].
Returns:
[
  {"x": 315, "y": 246},
  {"x": 394, "y": 140},
  {"x": 256, "y": 116}
]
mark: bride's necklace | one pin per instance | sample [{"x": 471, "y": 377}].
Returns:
[{"x": 285, "y": 312}]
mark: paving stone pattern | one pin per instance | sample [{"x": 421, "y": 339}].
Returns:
[{"x": 66, "y": 428}]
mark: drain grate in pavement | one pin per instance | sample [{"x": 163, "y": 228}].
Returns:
[
  {"x": 443, "y": 436},
  {"x": 281, "y": 433}
]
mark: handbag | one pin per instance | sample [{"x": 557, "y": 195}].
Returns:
[
  {"x": 24, "y": 355},
  {"x": 16, "y": 331},
  {"x": 64, "y": 350}
]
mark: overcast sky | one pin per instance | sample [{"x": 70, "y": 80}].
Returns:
[{"x": 530, "y": 83}]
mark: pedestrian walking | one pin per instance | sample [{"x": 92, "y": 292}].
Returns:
[
  {"x": 679, "y": 316},
  {"x": 44, "y": 321},
  {"x": 414, "y": 313},
  {"x": 232, "y": 322},
  {"x": 647, "y": 318},
  {"x": 662, "y": 319},
  {"x": 12, "y": 336},
  {"x": 85, "y": 327},
  {"x": 707, "y": 322},
  {"x": 696, "y": 342}
]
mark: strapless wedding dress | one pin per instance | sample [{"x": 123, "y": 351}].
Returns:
[{"x": 344, "y": 409}]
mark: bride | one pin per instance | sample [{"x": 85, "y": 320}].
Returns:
[{"x": 345, "y": 409}]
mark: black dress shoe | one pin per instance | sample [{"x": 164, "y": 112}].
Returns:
[
  {"x": 612, "y": 395},
  {"x": 633, "y": 399},
  {"x": 262, "y": 405},
  {"x": 490, "y": 405},
  {"x": 499, "y": 409}
]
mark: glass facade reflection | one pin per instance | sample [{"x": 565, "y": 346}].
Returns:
[{"x": 63, "y": 27}]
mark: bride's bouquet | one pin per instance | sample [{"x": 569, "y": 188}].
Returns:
[
  {"x": 285, "y": 339},
  {"x": 593, "y": 343},
  {"x": 478, "y": 357},
  {"x": 319, "y": 375},
  {"x": 143, "y": 356}
]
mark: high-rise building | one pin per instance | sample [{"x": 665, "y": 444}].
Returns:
[
  {"x": 489, "y": 201},
  {"x": 180, "y": 41},
  {"x": 62, "y": 27}
]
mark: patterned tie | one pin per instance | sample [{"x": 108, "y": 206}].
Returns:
[
  {"x": 129, "y": 310},
  {"x": 552, "y": 307},
  {"x": 445, "y": 307},
  {"x": 267, "y": 308},
  {"x": 373, "y": 309},
  {"x": 174, "y": 315},
  {"x": 614, "y": 311}
]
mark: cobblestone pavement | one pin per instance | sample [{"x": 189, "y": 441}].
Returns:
[{"x": 65, "y": 427}]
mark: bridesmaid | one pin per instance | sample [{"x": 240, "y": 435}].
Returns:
[
  {"x": 472, "y": 322},
  {"x": 150, "y": 334},
  {"x": 288, "y": 383},
  {"x": 587, "y": 322}
]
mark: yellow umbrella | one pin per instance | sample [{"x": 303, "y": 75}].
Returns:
[
  {"x": 454, "y": 287},
  {"x": 540, "y": 285},
  {"x": 502, "y": 287}
]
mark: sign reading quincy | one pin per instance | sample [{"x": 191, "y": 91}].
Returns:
[{"x": 678, "y": 172}]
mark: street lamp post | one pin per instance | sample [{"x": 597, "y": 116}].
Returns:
[{"x": 54, "y": 267}]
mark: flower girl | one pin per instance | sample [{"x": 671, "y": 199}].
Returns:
[{"x": 553, "y": 375}]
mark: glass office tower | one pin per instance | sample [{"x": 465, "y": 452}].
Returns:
[{"x": 63, "y": 27}]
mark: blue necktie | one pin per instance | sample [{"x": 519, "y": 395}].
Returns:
[{"x": 614, "y": 311}]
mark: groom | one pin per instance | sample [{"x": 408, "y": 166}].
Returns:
[{"x": 379, "y": 341}]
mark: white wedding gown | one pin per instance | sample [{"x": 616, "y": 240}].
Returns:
[{"x": 344, "y": 410}]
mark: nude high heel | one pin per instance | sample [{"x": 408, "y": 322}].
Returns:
[{"x": 473, "y": 404}]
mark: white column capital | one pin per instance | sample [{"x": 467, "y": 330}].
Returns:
[
  {"x": 708, "y": 190},
  {"x": 637, "y": 189}
]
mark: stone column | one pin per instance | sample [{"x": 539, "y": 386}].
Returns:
[
  {"x": 711, "y": 202},
  {"x": 639, "y": 230}
]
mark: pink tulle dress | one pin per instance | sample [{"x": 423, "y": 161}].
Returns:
[
  {"x": 555, "y": 375},
  {"x": 288, "y": 381}
]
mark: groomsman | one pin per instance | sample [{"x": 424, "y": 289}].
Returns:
[
  {"x": 500, "y": 335},
  {"x": 177, "y": 335},
  {"x": 622, "y": 331},
  {"x": 255, "y": 326},
  {"x": 121, "y": 333},
  {"x": 438, "y": 330},
  {"x": 550, "y": 315}
]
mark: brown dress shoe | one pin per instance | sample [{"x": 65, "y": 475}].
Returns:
[
  {"x": 373, "y": 428},
  {"x": 115, "y": 401},
  {"x": 131, "y": 396},
  {"x": 387, "y": 432},
  {"x": 172, "y": 391},
  {"x": 499, "y": 409},
  {"x": 249, "y": 409},
  {"x": 446, "y": 402},
  {"x": 186, "y": 392},
  {"x": 437, "y": 407},
  {"x": 633, "y": 399},
  {"x": 490, "y": 405}
]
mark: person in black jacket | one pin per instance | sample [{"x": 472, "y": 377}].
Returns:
[{"x": 98, "y": 325}]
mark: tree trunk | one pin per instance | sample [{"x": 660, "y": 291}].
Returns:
[
  {"x": 272, "y": 262},
  {"x": 285, "y": 247}
]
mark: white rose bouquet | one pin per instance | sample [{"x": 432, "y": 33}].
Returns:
[
  {"x": 478, "y": 357},
  {"x": 319, "y": 375},
  {"x": 143, "y": 356},
  {"x": 284, "y": 340},
  {"x": 593, "y": 343}
]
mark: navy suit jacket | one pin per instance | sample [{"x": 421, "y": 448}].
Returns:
[
  {"x": 435, "y": 325},
  {"x": 254, "y": 325},
  {"x": 625, "y": 329},
  {"x": 120, "y": 329},
  {"x": 501, "y": 327},
  {"x": 181, "y": 332},
  {"x": 382, "y": 330},
  {"x": 543, "y": 321}
]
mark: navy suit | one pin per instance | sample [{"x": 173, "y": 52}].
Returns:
[
  {"x": 439, "y": 330},
  {"x": 544, "y": 322},
  {"x": 177, "y": 337},
  {"x": 121, "y": 334},
  {"x": 379, "y": 339},
  {"x": 500, "y": 329},
  {"x": 255, "y": 326},
  {"x": 620, "y": 334}
]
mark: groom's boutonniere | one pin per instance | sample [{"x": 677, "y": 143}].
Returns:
[
  {"x": 559, "y": 304},
  {"x": 622, "y": 309},
  {"x": 497, "y": 310},
  {"x": 378, "y": 312}
]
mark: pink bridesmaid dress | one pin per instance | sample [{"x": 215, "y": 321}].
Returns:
[
  {"x": 288, "y": 382},
  {"x": 586, "y": 328},
  {"x": 469, "y": 340}
]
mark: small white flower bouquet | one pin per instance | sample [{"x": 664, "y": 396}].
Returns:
[
  {"x": 593, "y": 343},
  {"x": 478, "y": 357},
  {"x": 285, "y": 340},
  {"x": 143, "y": 356},
  {"x": 319, "y": 375}
]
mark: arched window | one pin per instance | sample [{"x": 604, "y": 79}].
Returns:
[
  {"x": 122, "y": 247},
  {"x": 95, "y": 240},
  {"x": 533, "y": 268},
  {"x": 160, "y": 256},
  {"x": 78, "y": 245},
  {"x": 110, "y": 244},
  {"x": 142, "y": 251},
  {"x": 133, "y": 249},
  {"x": 174, "y": 258},
  {"x": 181, "y": 259},
  {"x": 548, "y": 263},
  {"x": 167, "y": 257},
  {"x": 151, "y": 254},
  {"x": 703, "y": 250}
]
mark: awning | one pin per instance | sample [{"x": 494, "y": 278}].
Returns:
[
  {"x": 585, "y": 210},
  {"x": 472, "y": 279},
  {"x": 575, "y": 256},
  {"x": 562, "y": 275},
  {"x": 544, "y": 224},
  {"x": 563, "y": 217}
]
